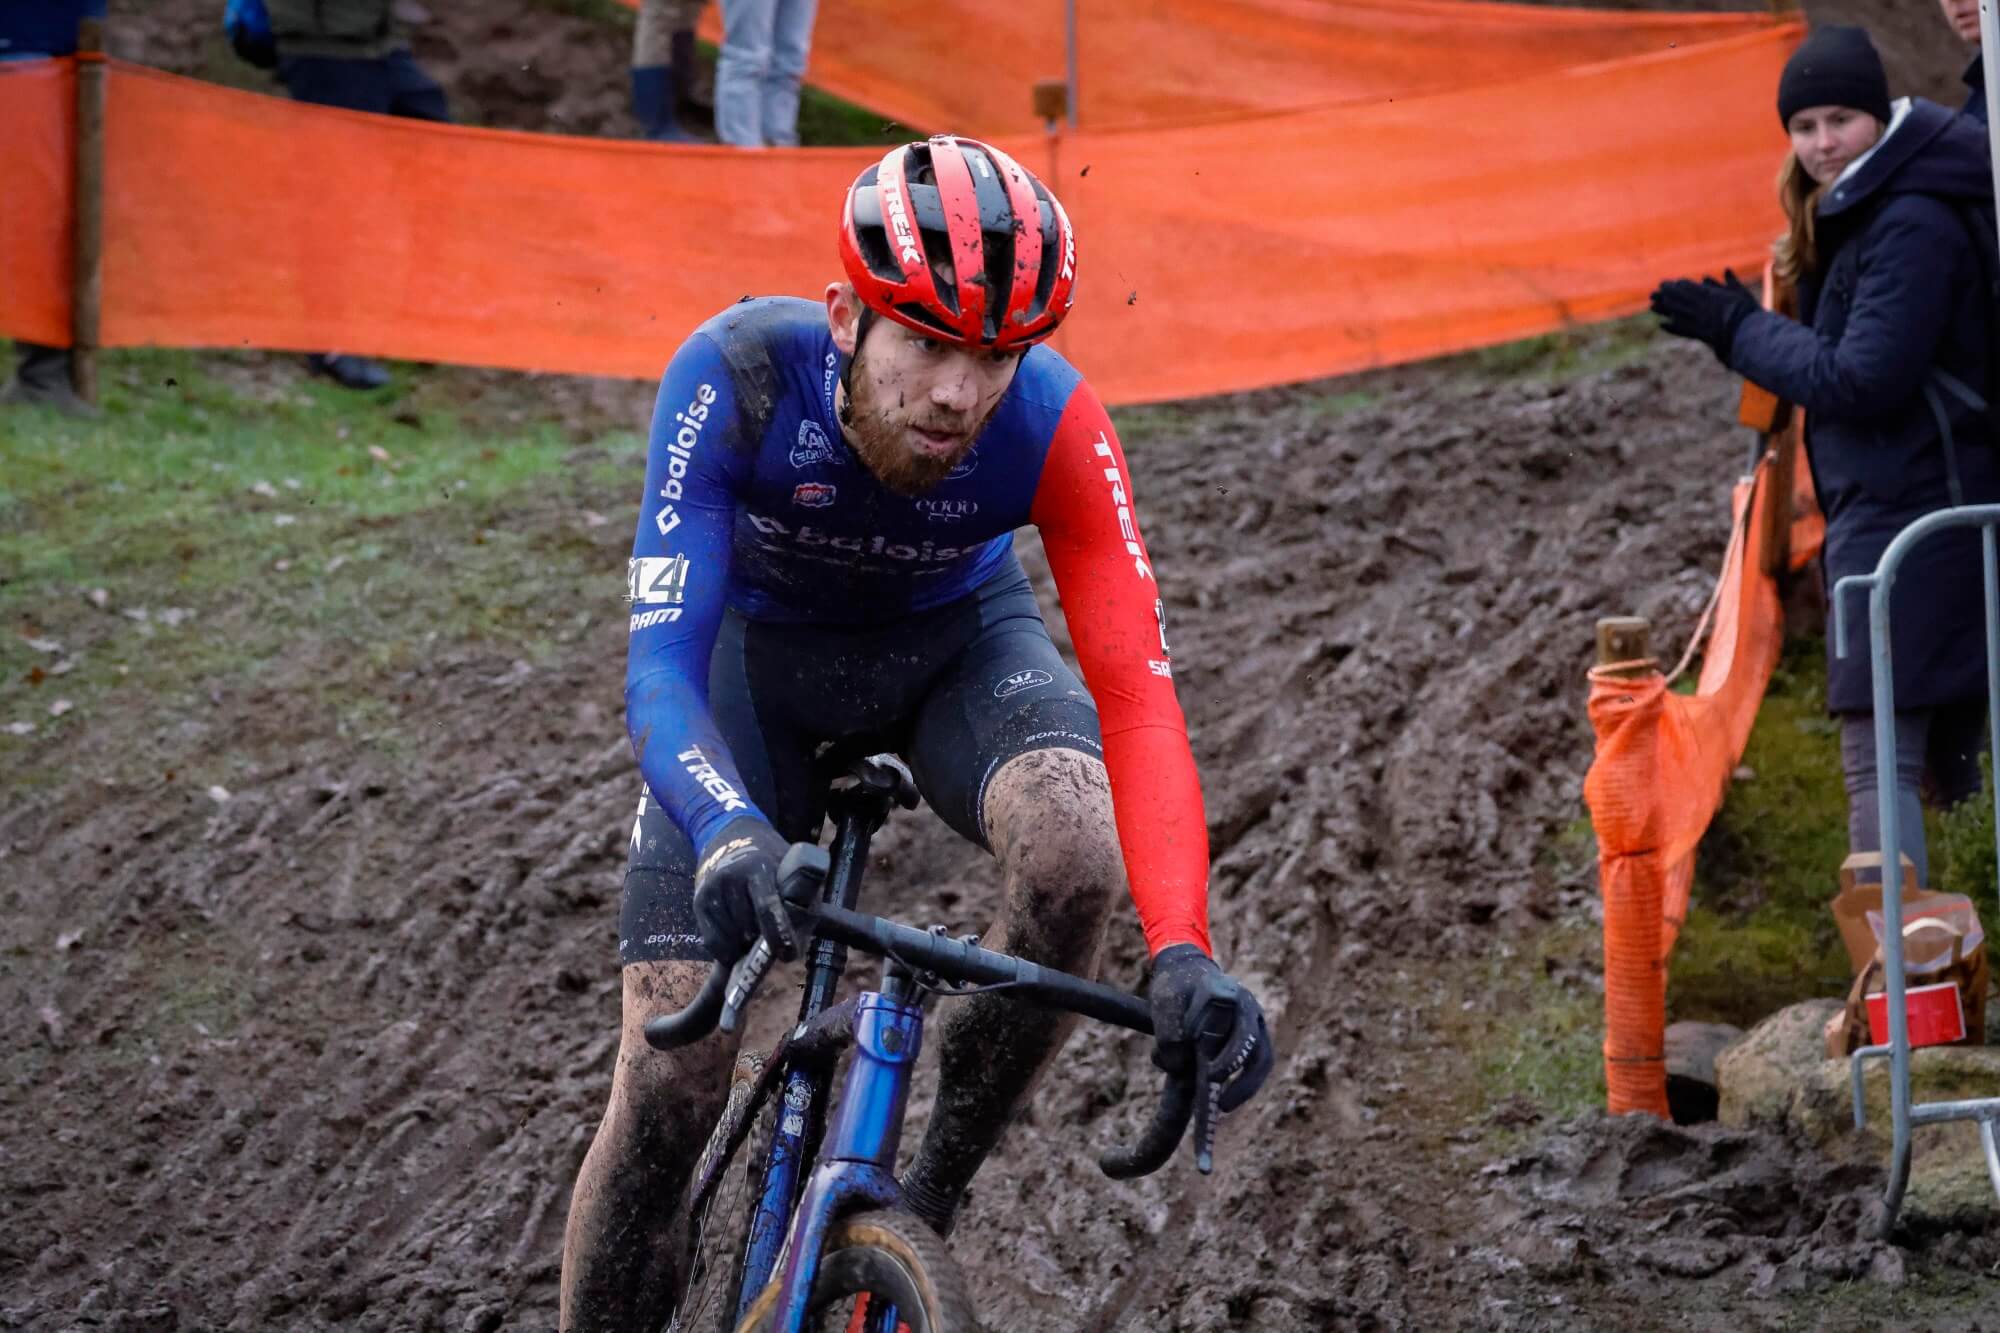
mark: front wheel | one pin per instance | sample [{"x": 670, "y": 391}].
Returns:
[{"x": 886, "y": 1255}]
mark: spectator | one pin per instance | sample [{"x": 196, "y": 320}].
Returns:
[
  {"x": 1891, "y": 248},
  {"x": 345, "y": 53},
  {"x": 663, "y": 68},
  {"x": 764, "y": 44},
  {"x": 1963, "y": 15},
  {"x": 30, "y": 30}
]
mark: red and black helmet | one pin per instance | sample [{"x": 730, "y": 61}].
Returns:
[{"x": 955, "y": 239}]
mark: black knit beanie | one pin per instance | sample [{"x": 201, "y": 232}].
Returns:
[{"x": 1835, "y": 66}]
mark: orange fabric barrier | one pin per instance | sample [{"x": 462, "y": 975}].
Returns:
[
  {"x": 969, "y": 65},
  {"x": 1663, "y": 762},
  {"x": 1214, "y": 257},
  {"x": 37, "y": 106}
]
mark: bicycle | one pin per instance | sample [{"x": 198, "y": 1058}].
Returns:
[{"x": 827, "y": 1235}]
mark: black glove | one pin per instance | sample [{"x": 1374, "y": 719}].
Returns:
[
  {"x": 1204, "y": 1019},
  {"x": 1707, "y": 311},
  {"x": 736, "y": 892}
]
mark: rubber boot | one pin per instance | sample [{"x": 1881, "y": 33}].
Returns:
[{"x": 653, "y": 104}]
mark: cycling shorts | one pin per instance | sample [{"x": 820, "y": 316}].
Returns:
[{"x": 957, "y": 691}]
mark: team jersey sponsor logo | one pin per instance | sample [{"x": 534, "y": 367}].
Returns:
[
  {"x": 946, "y": 511},
  {"x": 813, "y": 494},
  {"x": 711, "y": 781},
  {"x": 813, "y": 447},
  {"x": 807, "y": 539},
  {"x": 1162, "y": 666},
  {"x": 656, "y": 579},
  {"x": 663, "y": 615},
  {"x": 965, "y": 467},
  {"x": 639, "y": 821},
  {"x": 1033, "y": 678},
  {"x": 1123, "y": 505},
  {"x": 826, "y": 380},
  {"x": 680, "y": 452}
]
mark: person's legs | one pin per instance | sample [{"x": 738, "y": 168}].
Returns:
[
  {"x": 412, "y": 92},
  {"x": 1007, "y": 752},
  {"x": 1857, "y": 759},
  {"x": 620, "y": 1268},
  {"x": 739, "y": 73},
  {"x": 1958, "y": 736},
  {"x": 352, "y": 85},
  {"x": 791, "y": 39}
]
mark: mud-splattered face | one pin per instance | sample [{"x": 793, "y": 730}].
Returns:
[
  {"x": 918, "y": 403},
  {"x": 1827, "y": 138}
]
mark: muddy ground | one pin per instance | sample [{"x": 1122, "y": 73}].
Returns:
[{"x": 326, "y": 1053}]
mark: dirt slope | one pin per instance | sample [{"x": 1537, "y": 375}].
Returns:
[{"x": 326, "y": 1054}]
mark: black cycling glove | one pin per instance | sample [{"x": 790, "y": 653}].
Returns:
[
  {"x": 1205, "y": 1019},
  {"x": 736, "y": 892},
  {"x": 1708, "y": 311}
]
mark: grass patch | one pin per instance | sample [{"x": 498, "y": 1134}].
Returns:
[
  {"x": 1533, "y": 1018},
  {"x": 226, "y": 508},
  {"x": 1565, "y": 354}
]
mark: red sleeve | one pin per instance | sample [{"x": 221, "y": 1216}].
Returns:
[{"x": 1083, "y": 507}]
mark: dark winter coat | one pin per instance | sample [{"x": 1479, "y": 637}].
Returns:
[
  {"x": 1900, "y": 292},
  {"x": 1975, "y": 79},
  {"x": 30, "y": 28}
]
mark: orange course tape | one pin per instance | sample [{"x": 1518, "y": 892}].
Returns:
[{"x": 1214, "y": 257}]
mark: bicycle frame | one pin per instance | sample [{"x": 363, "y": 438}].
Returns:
[{"x": 860, "y": 1166}]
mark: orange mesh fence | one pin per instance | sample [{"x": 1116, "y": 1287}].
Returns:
[
  {"x": 968, "y": 65},
  {"x": 1214, "y": 257},
  {"x": 1663, "y": 762}
]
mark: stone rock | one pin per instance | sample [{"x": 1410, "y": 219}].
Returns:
[
  {"x": 1760, "y": 1076},
  {"x": 1691, "y": 1049},
  {"x": 1778, "y": 1076}
]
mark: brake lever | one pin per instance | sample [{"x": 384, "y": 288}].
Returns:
[{"x": 744, "y": 978}]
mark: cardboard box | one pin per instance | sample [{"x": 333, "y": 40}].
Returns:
[{"x": 1854, "y": 901}]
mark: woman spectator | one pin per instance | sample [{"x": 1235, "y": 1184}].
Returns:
[{"x": 1890, "y": 247}]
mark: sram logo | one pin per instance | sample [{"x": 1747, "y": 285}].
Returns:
[
  {"x": 647, "y": 619},
  {"x": 680, "y": 452}
]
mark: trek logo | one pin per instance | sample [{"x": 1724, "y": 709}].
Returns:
[
  {"x": 680, "y": 451},
  {"x": 898, "y": 215},
  {"x": 1022, "y": 680},
  {"x": 1123, "y": 506},
  {"x": 813, "y": 447},
  {"x": 656, "y": 578},
  {"x": 711, "y": 781},
  {"x": 1069, "y": 254},
  {"x": 947, "y": 511},
  {"x": 812, "y": 494}
]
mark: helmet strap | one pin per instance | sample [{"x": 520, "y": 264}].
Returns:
[{"x": 861, "y": 327}]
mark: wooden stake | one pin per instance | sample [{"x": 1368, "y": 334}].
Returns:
[
  {"x": 1627, "y": 640},
  {"x": 87, "y": 271}
]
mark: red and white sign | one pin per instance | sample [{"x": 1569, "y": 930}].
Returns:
[{"x": 1936, "y": 1016}]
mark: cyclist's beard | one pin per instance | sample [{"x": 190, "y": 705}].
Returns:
[{"x": 879, "y": 432}]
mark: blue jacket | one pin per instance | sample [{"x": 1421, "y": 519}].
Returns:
[
  {"x": 1900, "y": 292},
  {"x": 31, "y": 28},
  {"x": 1975, "y": 79}
]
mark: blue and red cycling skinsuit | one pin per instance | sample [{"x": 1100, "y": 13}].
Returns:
[{"x": 757, "y": 514}]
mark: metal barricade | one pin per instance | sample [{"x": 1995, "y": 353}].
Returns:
[{"x": 1904, "y": 1117}]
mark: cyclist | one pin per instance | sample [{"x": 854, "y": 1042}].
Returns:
[{"x": 824, "y": 555}]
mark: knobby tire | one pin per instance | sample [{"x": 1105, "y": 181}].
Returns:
[{"x": 886, "y": 1253}]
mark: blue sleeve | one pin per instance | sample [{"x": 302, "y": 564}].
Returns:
[
  {"x": 675, "y": 582},
  {"x": 1905, "y": 284}
]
